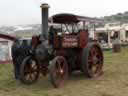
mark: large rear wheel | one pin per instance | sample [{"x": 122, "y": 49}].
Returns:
[
  {"x": 29, "y": 71},
  {"x": 92, "y": 60},
  {"x": 58, "y": 71}
]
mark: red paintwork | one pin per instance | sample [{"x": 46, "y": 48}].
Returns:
[
  {"x": 83, "y": 38},
  {"x": 56, "y": 41},
  {"x": 71, "y": 40},
  {"x": 35, "y": 41},
  {"x": 76, "y": 42}
]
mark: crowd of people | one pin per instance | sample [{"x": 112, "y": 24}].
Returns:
[{"x": 19, "y": 51}]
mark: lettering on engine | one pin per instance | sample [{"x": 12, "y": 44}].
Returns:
[{"x": 70, "y": 41}]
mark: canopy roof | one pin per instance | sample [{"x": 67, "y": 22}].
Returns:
[
  {"x": 71, "y": 18},
  {"x": 8, "y": 37}
]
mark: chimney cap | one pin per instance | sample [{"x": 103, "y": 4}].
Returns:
[{"x": 44, "y": 5}]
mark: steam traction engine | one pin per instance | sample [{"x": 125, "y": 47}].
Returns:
[{"x": 65, "y": 48}]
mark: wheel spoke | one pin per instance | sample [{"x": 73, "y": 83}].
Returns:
[
  {"x": 93, "y": 51},
  {"x": 95, "y": 60},
  {"x": 58, "y": 76},
  {"x": 30, "y": 71},
  {"x": 27, "y": 77}
]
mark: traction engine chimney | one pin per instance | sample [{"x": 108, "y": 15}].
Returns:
[{"x": 44, "y": 25}]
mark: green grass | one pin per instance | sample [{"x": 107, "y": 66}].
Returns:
[{"x": 114, "y": 81}]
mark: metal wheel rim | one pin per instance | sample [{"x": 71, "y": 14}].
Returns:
[
  {"x": 95, "y": 61},
  {"x": 31, "y": 71},
  {"x": 60, "y": 72}
]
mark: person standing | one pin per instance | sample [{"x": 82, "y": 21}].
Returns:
[{"x": 15, "y": 51}]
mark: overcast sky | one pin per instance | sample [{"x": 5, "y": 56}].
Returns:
[{"x": 14, "y": 12}]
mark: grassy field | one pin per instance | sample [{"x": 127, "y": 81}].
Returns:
[{"x": 114, "y": 81}]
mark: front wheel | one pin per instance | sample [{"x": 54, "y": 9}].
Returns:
[
  {"x": 58, "y": 71},
  {"x": 29, "y": 71}
]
